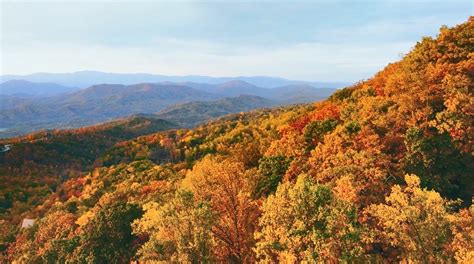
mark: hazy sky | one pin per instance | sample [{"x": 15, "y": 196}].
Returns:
[{"x": 314, "y": 40}]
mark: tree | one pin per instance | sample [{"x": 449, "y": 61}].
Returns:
[
  {"x": 178, "y": 231},
  {"x": 414, "y": 221},
  {"x": 462, "y": 228},
  {"x": 306, "y": 223},
  {"x": 272, "y": 170},
  {"x": 223, "y": 183},
  {"x": 55, "y": 236},
  {"x": 314, "y": 132},
  {"x": 107, "y": 237},
  {"x": 439, "y": 164},
  {"x": 366, "y": 169}
]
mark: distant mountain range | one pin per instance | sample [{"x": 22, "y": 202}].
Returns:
[
  {"x": 97, "y": 103},
  {"x": 22, "y": 88},
  {"x": 83, "y": 79},
  {"x": 184, "y": 103}
]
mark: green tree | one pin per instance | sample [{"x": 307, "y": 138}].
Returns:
[
  {"x": 314, "y": 132},
  {"x": 439, "y": 164},
  {"x": 107, "y": 237},
  {"x": 272, "y": 169}
]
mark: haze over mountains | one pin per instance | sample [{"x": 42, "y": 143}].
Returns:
[
  {"x": 85, "y": 79},
  {"x": 28, "y": 106},
  {"x": 22, "y": 88},
  {"x": 194, "y": 113}
]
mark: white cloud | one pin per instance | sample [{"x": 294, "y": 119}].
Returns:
[
  {"x": 210, "y": 39},
  {"x": 310, "y": 61}
]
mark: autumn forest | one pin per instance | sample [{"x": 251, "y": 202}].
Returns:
[{"x": 381, "y": 171}]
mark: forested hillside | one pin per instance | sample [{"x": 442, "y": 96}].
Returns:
[
  {"x": 194, "y": 113},
  {"x": 380, "y": 171},
  {"x": 34, "y": 165},
  {"x": 98, "y": 103},
  {"x": 22, "y": 88},
  {"x": 25, "y": 113}
]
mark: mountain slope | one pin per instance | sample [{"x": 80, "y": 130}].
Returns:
[
  {"x": 82, "y": 144},
  {"x": 237, "y": 87},
  {"x": 9, "y": 101},
  {"x": 301, "y": 93},
  {"x": 95, "y": 104},
  {"x": 194, "y": 113},
  {"x": 26, "y": 88},
  {"x": 32, "y": 166},
  {"x": 295, "y": 93},
  {"x": 104, "y": 102}
]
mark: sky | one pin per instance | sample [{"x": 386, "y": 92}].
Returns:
[{"x": 309, "y": 40}]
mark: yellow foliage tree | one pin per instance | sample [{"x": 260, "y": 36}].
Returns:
[
  {"x": 224, "y": 185},
  {"x": 304, "y": 222},
  {"x": 415, "y": 222},
  {"x": 179, "y": 231}
]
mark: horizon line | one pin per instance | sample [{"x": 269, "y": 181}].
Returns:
[{"x": 183, "y": 75}]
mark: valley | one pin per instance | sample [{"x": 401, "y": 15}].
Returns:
[{"x": 105, "y": 102}]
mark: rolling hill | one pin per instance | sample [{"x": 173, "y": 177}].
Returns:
[
  {"x": 10, "y": 102},
  {"x": 22, "y": 88},
  {"x": 294, "y": 93},
  {"x": 41, "y": 160},
  {"x": 194, "y": 113},
  {"x": 95, "y": 104},
  {"x": 105, "y": 102}
]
